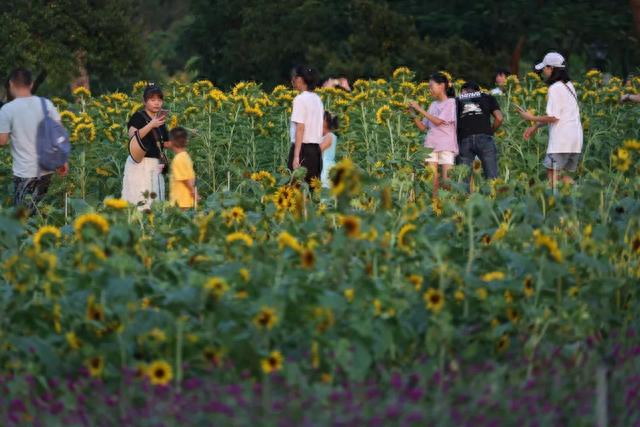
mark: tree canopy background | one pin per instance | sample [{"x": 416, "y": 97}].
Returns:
[{"x": 112, "y": 43}]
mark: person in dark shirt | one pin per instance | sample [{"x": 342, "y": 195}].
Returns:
[
  {"x": 475, "y": 128},
  {"x": 143, "y": 181}
]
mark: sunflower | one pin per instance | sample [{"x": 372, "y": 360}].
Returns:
[
  {"x": 244, "y": 274},
  {"x": 458, "y": 295},
  {"x": 159, "y": 373},
  {"x": 349, "y": 294},
  {"x": 635, "y": 243},
  {"x": 94, "y": 311},
  {"x": 86, "y": 129},
  {"x": 621, "y": 159},
  {"x": 43, "y": 231},
  {"x": 482, "y": 294},
  {"x": 95, "y": 220},
  {"x": 285, "y": 198},
  {"x": 345, "y": 178},
  {"x": 508, "y": 297},
  {"x": 266, "y": 318},
  {"x": 500, "y": 232},
  {"x": 528, "y": 286},
  {"x": 241, "y": 237},
  {"x": 264, "y": 177},
  {"x": 316, "y": 184},
  {"x": 434, "y": 298},
  {"x": 402, "y": 72},
  {"x": 272, "y": 363},
  {"x": 416, "y": 281},
  {"x": 548, "y": 242},
  {"x": 157, "y": 335},
  {"x": 286, "y": 240},
  {"x": 436, "y": 206},
  {"x": 81, "y": 91},
  {"x": 383, "y": 113},
  {"x": 95, "y": 365},
  {"x": 234, "y": 215},
  {"x": 315, "y": 355},
  {"x": 403, "y": 243},
  {"x": 117, "y": 204},
  {"x": 503, "y": 343},
  {"x": 213, "y": 355},
  {"x": 72, "y": 340},
  {"x": 351, "y": 225},
  {"x": 493, "y": 276},
  {"x": 513, "y": 315},
  {"x": 203, "y": 226},
  {"x": 216, "y": 286},
  {"x": 324, "y": 317},
  {"x": 307, "y": 258}
]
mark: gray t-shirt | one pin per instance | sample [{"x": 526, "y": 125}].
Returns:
[{"x": 20, "y": 118}]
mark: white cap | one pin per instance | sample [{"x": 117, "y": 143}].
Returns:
[{"x": 551, "y": 59}]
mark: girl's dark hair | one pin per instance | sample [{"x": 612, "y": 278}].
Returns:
[
  {"x": 442, "y": 79},
  {"x": 308, "y": 74},
  {"x": 558, "y": 75},
  {"x": 332, "y": 121},
  {"x": 179, "y": 136},
  {"x": 152, "y": 90}
]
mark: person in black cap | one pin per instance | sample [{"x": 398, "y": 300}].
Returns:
[{"x": 143, "y": 181}]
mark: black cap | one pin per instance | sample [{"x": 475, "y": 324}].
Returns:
[{"x": 151, "y": 90}]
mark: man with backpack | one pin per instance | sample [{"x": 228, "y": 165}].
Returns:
[{"x": 39, "y": 143}]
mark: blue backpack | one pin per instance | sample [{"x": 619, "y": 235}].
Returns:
[{"x": 52, "y": 142}]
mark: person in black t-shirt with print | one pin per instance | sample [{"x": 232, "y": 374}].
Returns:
[
  {"x": 143, "y": 181},
  {"x": 475, "y": 130}
]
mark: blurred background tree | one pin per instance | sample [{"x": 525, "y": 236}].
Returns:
[{"x": 111, "y": 43}]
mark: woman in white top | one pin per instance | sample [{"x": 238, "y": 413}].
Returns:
[
  {"x": 307, "y": 117},
  {"x": 563, "y": 118}
]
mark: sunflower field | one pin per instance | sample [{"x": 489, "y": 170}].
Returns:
[{"x": 368, "y": 303}]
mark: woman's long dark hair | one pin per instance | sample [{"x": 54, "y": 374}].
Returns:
[
  {"x": 308, "y": 74},
  {"x": 332, "y": 121},
  {"x": 559, "y": 74},
  {"x": 440, "y": 78}
]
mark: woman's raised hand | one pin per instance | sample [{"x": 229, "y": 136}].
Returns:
[{"x": 156, "y": 122}]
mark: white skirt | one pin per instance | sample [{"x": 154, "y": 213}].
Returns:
[{"x": 143, "y": 182}]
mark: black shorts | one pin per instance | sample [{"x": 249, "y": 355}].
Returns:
[{"x": 310, "y": 158}]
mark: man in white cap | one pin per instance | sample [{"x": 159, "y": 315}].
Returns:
[{"x": 563, "y": 118}]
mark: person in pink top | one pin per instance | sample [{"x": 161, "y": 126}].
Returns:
[{"x": 440, "y": 121}]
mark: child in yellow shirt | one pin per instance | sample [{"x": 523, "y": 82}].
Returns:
[{"x": 182, "y": 181}]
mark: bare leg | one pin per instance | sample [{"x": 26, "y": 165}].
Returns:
[
  {"x": 436, "y": 178},
  {"x": 445, "y": 176},
  {"x": 551, "y": 177},
  {"x": 567, "y": 180}
]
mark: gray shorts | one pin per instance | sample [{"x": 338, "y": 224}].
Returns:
[{"x": 562, "y": 161}]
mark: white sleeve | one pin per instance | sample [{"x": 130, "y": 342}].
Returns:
[
  {"x": 5, "y": 120},
  {"x": 554, "y": 102},
  {"x": 297, "y": 113}
]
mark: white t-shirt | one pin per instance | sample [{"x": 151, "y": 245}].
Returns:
[
  {"x": 308, "y": 109},
  {"x": 20, "y": 118},
  {"x": 565, "y": 136}
]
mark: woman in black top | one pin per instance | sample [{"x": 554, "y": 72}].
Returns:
[{"x": 143, "y": 182}]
